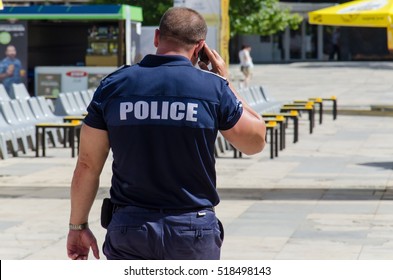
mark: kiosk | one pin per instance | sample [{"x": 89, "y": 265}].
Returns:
[{"x": 77, "y": 38}]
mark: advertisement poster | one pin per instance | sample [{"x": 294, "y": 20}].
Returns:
[
  {"x": 49, "y": 84},
  {"x": 13, "y": 53},
  {"x": 52, "y": 80}
]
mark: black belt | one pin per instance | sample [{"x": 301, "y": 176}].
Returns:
[
  {"x": 168, "y": 211},
  {"x": 180, "y": 210}
]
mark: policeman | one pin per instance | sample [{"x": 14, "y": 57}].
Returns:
[{"x": 160, "y": 118}]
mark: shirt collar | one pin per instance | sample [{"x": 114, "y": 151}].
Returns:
[{"x": 168, "y": 60}]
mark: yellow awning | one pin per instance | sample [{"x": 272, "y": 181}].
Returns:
[{"x": 362, "y": 13}]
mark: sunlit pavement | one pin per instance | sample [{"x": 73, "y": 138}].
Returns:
[{"x": 329, "y": 196}]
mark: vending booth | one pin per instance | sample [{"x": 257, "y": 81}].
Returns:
[{"x": 70, "y": 47}]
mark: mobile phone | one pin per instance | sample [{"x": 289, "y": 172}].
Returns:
[{"x": 203, "y": 57}]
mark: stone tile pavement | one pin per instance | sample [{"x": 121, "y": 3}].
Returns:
[{"x": 329, "y": 196}]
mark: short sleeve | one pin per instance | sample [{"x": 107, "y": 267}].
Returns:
[
  {"x": 230, "y": 108},
  {"x": 95, "y": 116}
]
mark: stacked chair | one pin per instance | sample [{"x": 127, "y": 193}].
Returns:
[
  {"x": 14, "y": 132},
  {"x": 70, "y": 103},
  {"x": 21, "y": 114},
  {"x": 278, "y": 115}
]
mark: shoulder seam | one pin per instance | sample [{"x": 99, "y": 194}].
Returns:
[
  {"x": 116, "y": 70},
  {"x": 214, "y": 74}
]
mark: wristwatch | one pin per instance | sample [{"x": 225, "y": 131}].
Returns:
[{"x": 79, "y": 227}]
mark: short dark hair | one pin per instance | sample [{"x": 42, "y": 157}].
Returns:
[{"x": 183, "y": 25}]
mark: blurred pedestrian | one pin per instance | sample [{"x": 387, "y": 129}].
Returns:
[
  {"x": 246, "y": 64},
  {"x": 335, "y": 48}
]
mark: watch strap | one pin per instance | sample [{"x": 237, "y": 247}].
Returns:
[{"x": 79, "y": 227}]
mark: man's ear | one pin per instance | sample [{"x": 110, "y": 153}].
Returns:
[
  {"x": 200, "y": 46},
  {"x": 156, "y": 37}
]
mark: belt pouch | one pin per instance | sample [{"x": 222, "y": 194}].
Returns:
[{"x": 106, "y": 212}]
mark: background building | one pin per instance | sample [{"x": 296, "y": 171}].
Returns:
[
  {"x": 309, "y": 42},
  {"x": 314, "y": 42}
]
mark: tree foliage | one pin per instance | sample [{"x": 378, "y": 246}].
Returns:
[{"x": 263, "y": 17}]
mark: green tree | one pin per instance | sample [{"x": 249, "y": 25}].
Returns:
[{"x": 263, "y": 17}]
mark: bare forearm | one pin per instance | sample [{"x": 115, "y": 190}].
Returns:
[
  {"x": 94, "y": 149},
  {"x": 84, "y": 188}
]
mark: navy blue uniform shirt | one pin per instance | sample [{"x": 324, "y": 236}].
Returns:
[{"x": 162, "y": 116}]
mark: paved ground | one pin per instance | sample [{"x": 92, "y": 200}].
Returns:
[{"x": 329, "y": 196}]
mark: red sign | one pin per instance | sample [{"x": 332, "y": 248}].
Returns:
[{"x": 76, "y": 74}]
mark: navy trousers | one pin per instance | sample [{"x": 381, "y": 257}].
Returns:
[{"x": 137, "y": 233}]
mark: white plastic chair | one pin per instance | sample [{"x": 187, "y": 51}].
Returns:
[
  {"x": 79, "y": 101},
  {"x": 39, "y": 112},
  {"x": 86, "y": 97},
  {"x": 22, "y": 131},
  {"x": 7, "y": 139},
  {"x": 3, "y": 94},
  {"x": 62, "y": 106},
  {"x": 74, "y": 105},
  {"x": 46, "y": 109},
  {"x": 20, "y": 91}
]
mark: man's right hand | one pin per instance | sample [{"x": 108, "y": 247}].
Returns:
[
  {"x": 79, "y": 243},
  {"x": 218, "y": 64}
]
